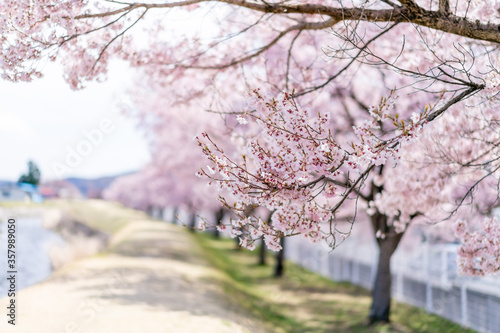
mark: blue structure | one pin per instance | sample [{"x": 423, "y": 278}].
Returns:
[{"x": 20, "y": 192}]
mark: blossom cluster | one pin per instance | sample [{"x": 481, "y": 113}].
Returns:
[
  {"x": 291, "y": 166},
  {"x": 371, "y": 149},
  {"x": 479, "y": 253},
  {"x": 36, "y": 31}
]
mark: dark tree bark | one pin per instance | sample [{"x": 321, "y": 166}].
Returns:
[
  {"x": 263, "y": 249},
  {"x": 280, "y": 258},
  {"x": 219, "y": 215},
  {"x": 262, "y": 252},
  {"x": 381, "y": 293},
  {"x": 192, "y": 222}
]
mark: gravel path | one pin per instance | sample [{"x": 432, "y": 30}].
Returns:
[{"x": 152, "y": 280}]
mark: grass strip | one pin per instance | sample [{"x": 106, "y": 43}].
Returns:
[{"x": 303, "y": 301}]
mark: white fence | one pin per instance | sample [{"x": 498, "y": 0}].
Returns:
[{"x": 426, "y": 278}]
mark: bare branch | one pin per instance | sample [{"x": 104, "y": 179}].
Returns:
[
  {"x": 113, "y": 39},
  {"x": 353, "y": 187},
  {"x": 453, "y": 101},
  {"x": 410, "y": 13},
  {"x": 354, "y": 58},
  {"x": 299, "y": 27}
]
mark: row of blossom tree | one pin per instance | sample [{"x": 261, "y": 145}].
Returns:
[{"x": 320, "y": 111}]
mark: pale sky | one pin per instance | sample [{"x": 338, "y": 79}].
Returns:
[{"x": 68, "y": 133}]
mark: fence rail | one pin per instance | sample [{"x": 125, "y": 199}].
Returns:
[{"x": 427, "y": 280}]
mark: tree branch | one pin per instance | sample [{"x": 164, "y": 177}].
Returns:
[
  {"x": 444, "y": 7},
  {"x": 452, "y": 101},
  {"x": 297, "y": 27},
  {"x": 410, "y": 13}
]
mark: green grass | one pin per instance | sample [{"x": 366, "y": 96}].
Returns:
[{"x": 303, "y": 301}]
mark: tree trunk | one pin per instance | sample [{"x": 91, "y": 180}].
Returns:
[
  {"x": 280, "y": 257},
  {"x": 174, "y": 215},
  {"x": 263, "y": 249},
  {"x": 219, "y": 215},
  {"x": 192, "y": 222},
  {"x": 237, "y": 240},
  {"x": 381, "y": 293},
  {"x": 162, "y": 214},
  {"x": 262, "y": 252}
]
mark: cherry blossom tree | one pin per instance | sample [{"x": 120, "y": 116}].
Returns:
[
  {"x": 378, "y": 95},
  {"x": 136, "y": 194},
  {"x": 169, "y": 179}
]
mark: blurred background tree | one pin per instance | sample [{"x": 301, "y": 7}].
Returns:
[{"x": 33, "y": 175}]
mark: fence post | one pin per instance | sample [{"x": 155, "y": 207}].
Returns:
[
  {"x": 427, "y": 274},
  {"x": 324, "y": 255},
  {"x": 444, "y": 267},
  {"x": 373, "y": 269},
  {"x": 463, "y": 300},
  {"x": 399, "y": 279},
  {"x": 338, "y": 269},
  {"x": 400, "y": 284},
  {"x": 349, "y": 269},
  {"x": 355, "y": 272}
]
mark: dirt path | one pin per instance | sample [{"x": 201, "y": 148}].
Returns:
[{"x": 152, "y": 280}]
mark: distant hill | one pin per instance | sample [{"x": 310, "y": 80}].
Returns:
[
  {"x": 93, "y": 188},
  {"x": 90, "y": 188},
  {"x": 6, "y": 182}
]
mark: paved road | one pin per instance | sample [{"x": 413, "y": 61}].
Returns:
[{"x": 152, "y": 280}]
